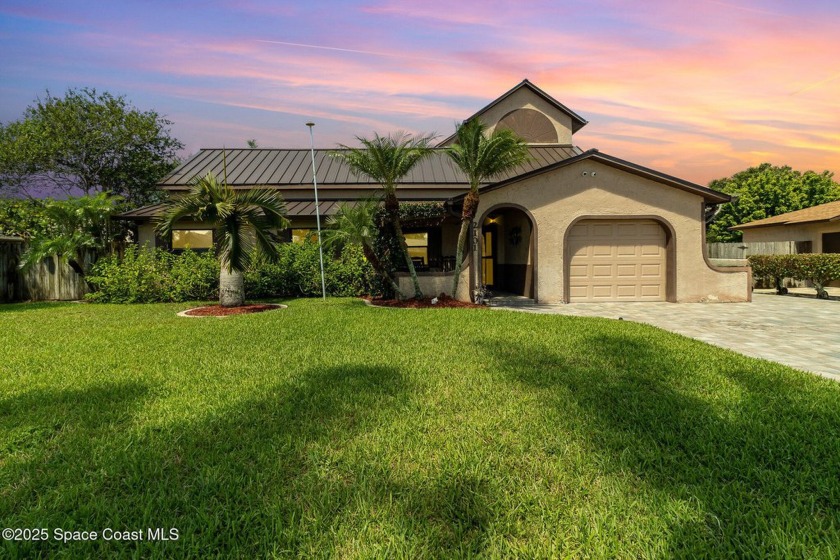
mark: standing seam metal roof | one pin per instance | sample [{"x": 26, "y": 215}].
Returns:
[{"x": 249, "y": 167}]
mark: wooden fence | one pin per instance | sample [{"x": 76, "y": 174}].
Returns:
[
  {"x": 51, "y": 279},
  {"x": 743, "y": 250}
]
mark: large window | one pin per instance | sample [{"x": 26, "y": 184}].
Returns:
[
  {"x": 301, "y": 235},
  {"x": 195, "y": 239},
  {"x": 418, "y": 247}
]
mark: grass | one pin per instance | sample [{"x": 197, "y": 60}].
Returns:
[{"x": 338, "y": 430}]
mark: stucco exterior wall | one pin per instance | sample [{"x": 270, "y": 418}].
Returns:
[
  {"x": 799, "y": 232},
  {"x": 524, "y": 99},
  {"x": 559, "y": 198}
]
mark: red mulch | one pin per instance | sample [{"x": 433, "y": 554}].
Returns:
[
  {"x": 425, "y": 303},
  {"x": 219, "y": 311}
]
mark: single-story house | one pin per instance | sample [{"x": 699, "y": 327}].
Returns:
[
  {"x": 567, "y": 226},
  {"x": 818, "y": 225}
]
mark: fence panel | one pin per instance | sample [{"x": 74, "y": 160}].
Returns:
[
  {"x": 51, "y": 279},
  {"x": 743, "y": 250}
]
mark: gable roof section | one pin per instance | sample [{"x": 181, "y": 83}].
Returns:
[
  {"x": 250, "y": 167},
  {"x": 708, "y": 194},
  {"x": 578, "y": 122},
  {"x": 828, "y": 212}
]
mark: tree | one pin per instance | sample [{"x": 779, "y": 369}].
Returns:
[
  {"x": 355, "y": 225},
  {"x": 481, "y": 158},
  {"x": 386, "y": 160},
  {"x": 78, "y": 229},
  {"x": 243, "y": 222},
  {"x": 87, "y": 143},
  {"x": 766, "y": 191},
  {"x": 252, "y": 143}
]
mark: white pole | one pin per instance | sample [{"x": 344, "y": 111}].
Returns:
[{"x": 317, "y": 209}]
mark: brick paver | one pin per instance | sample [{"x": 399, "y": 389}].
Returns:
[{"x": 800, "y": 332}]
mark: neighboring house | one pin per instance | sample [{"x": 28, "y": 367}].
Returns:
[
  {"x": 568, "y": 226},
  {"x": 819, "y": 225}
]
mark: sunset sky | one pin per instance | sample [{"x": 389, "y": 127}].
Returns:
[{"x": 699, "y": 89}]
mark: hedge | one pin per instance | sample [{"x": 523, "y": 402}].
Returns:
[
  {"x": 155, "y": 275},
  {"x": 818, "y": 268}
]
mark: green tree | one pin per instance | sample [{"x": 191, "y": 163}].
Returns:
[
  {"x": 24, "y": 217},
  {"x": 244, "y": 224},
  {"x": 356, "y": 226},
  {"x": 766, "y": 191},
  {"x": 481, "y": 157},
  {"x": 78, "y": 230},
  {"x": 87, "y": 142},
  {"x": 252, "y": 143},
  {"x": 386, "y": 160}
]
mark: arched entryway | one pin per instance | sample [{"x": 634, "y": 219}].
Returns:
[{"x": 507, "y": 251}]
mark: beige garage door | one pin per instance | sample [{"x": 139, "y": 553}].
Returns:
[{"x": 617, "y": 260}]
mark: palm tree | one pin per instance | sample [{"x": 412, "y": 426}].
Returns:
[
  {"x": 481, "y": 158},
  {"x": 80, "y": 231},
  {"x": 386, "y": 160},
  {"x": 243, "y": 222},
  {"x": 354, "y": 225}
]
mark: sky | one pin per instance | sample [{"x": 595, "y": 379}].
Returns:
[{"x": 699, "y": 89}]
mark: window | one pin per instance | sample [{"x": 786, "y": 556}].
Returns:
[
  {"x": 831, "y": 242},
  {"x": 418, "y": 247},
  {"x": 196, "y": 239},
  {"x": 301, "y": 235}
]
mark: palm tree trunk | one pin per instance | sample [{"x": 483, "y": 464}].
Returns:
[
  {"x": 467, "y": 215},
  {"x": 392, "y": 208},
  {"x": 231, "y": 288}
]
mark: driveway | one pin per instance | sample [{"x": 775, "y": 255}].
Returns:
[{"x": 803, "y": 333}]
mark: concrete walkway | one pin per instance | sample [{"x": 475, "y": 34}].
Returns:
[{"x": 796, "y": 331}]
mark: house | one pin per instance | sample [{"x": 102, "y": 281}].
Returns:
[
  {"x": 817, "y": 225},
  {"x": 567, "y": 226}
]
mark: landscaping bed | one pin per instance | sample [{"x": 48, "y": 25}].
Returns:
[
  {"x": 219, "y": 311},
  {"x": 333, "y": 429},
  {"x": 442, "y": 301}
]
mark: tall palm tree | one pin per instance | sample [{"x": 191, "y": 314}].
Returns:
[
  {"x": 386, "y": 160},
  {"x": 481, "y": 157},
  {"x": 243, "y": 222},
  {"x": 354, "y": 225}
]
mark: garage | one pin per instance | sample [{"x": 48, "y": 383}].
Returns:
[{"x": 617, "y": 260}]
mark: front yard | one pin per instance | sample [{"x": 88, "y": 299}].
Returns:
[{"x": 338, "y": 430}]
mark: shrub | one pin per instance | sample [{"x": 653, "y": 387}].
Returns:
[
  {"x": 147, "y": 276},
  {"x": 818, "y": 268}
]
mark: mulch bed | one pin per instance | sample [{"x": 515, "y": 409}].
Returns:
[
  {"x": 219, "y": 311},
  {"x": 425, "y": 303}
]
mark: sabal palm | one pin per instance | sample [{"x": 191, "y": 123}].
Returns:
[
  {"x": 355, "y": 225},
  {"x": 481, "y": 158},
  {"x": 386, "y": 160},
  {"x": 244, "y": 223}
]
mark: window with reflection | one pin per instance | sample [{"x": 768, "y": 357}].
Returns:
[
  {"x": 195, "y": 239},
  {"x": 418, "y": 247}
]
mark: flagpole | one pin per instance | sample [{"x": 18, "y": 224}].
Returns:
[{"x": 317, "y": 209}]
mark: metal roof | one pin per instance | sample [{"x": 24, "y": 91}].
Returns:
[
  {"x": 250, "y": 167},
  {"x": 294, "y": 209},
  {"x": 828, "y": 212}
]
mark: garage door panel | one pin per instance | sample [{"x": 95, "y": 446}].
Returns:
[{"x": 617, "y": 260}]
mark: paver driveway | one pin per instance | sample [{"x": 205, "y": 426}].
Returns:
[{"x": 800, "y": 332}]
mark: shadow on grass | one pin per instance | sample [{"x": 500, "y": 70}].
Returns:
[
  {"x": 282, "y": 474},
  {"x": 754, "y": 449}
]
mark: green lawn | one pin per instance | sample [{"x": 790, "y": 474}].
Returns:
[{"x": 338, "y": 430}]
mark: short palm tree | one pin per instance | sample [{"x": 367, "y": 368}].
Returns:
[
  {"x": 355, "y": 225},
  {"x": 243, "y": 223},
  {"x": 481, "y": 157},
  {"x": 386, "y": 160}
]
